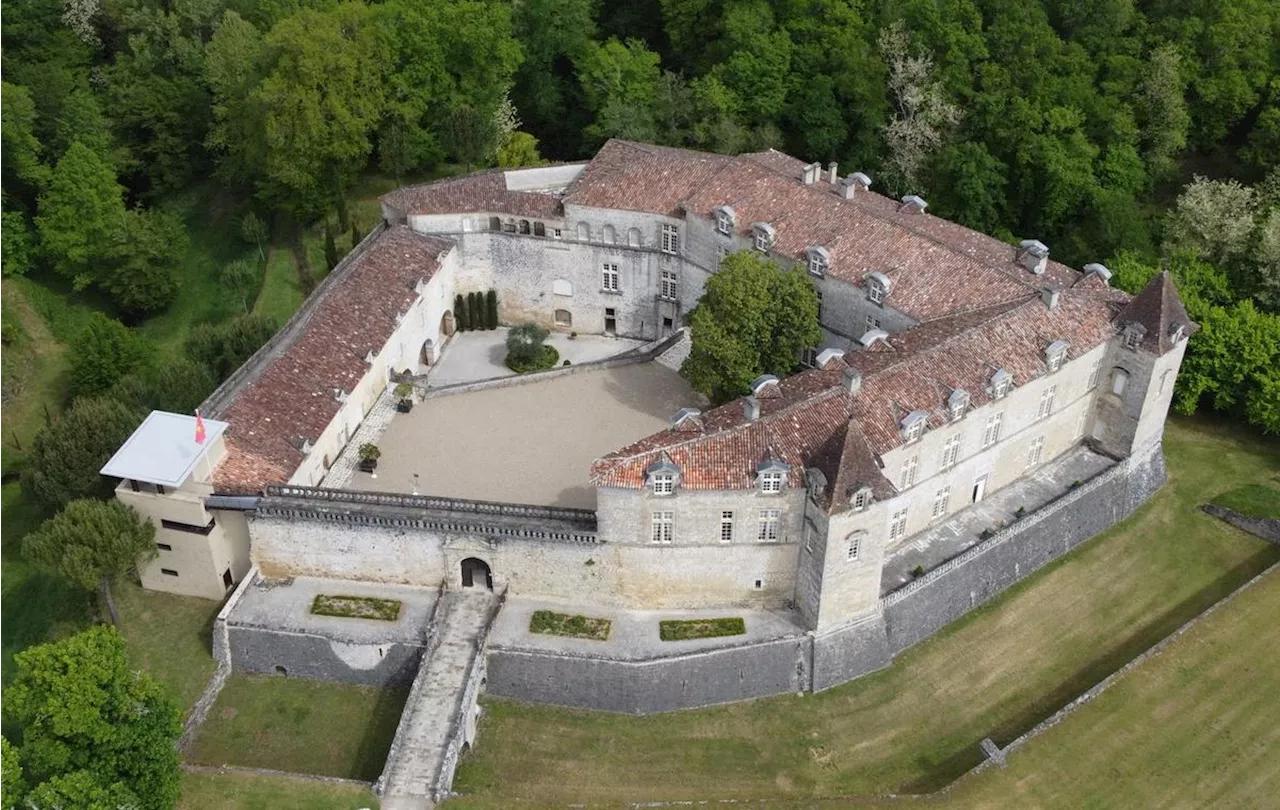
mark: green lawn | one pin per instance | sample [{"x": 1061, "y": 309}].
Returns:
[
  {"x": 1258, "y": 500},
  {"x": 915, "y": 726},
  {"x": 241, "y": 791},
  {"x": 170, "y": 637},
  {"x": 281, "y": 293},
  {"x": 301, "y": 726}
]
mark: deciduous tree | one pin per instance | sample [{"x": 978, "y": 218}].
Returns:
[
  {"x": 103, "y": 352},
  {"x": 923, "y": 113},
  {"x": 81, "y": 215},
  {"x": 141, "y": 277},
  {"x": 754, "y": 318},
  {"x": 83, "y": 709}
]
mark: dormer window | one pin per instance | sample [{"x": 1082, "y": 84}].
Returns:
[
  {"x": 861, "y": 499},
  {"x": 957, "y": 403},
  {"x": 771, "y": 477},
  {"x": 663, "y": 476},
  {"x": 913, "y": 426},
  {"x": 765, "y": 236},
  {"x": 1001, "y": 381},
  {"x": 725, "y": 220},
  {"x": 818, "y": 259},
  {"x": 1055, "y": 355},
  {"x": 877, "y": 288}
]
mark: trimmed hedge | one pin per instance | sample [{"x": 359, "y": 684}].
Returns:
[{"x": 683, "y": 629}]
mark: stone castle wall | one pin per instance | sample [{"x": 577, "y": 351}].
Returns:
[
  {"x": 272, "y": 651},
  {"x": 818, "y": 662}
]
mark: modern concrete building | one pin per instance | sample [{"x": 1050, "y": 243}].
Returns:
[{"x": 955, "y": 369}]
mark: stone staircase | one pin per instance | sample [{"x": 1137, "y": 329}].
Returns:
[{"x": 440, "y": 709}]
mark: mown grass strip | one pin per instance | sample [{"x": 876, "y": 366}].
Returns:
[
  {"x": 684, "y": 629},
  {"x": 1255, "y": 500},
  {"x": 563, "y": 624},
  {"x": 356, "y": 607}
]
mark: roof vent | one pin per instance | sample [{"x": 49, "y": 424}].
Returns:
[
  {"x": 827, "y": 356},
  {"x": 912, "y": 204},
  {"x": 833, "y": 175},
  {"x": 763, "y": 386},
  {"x": 339, "y": 395},
  {"x": 852, "y": 381},
  {"x": 368, "y": 357},
  {"x": 871, "y": 336},
  {"x": 1099, "y": 270},
  {"x": 1050, "y": 297},
  {"x": 687, "y": 419},
  {"x": 811, "y": 173},
  {"x": 1033, "y": 255},
  {"x": 751, "y": 408},
  {"x": 853, "y": 184},
  {"x": 420, "y": 286}
]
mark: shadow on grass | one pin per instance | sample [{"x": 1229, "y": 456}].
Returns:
[
  {"x": 939, "y": 774},
  {"x": 371, "y": 755}
]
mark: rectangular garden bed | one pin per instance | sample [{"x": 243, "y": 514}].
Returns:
[
  {"x": 356, "y": 607},
  {"x": 562, "y": 624},
  {"x": 682, "y": 629}
]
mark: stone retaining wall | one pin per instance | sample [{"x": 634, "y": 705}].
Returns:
[
  {"x": 267, "y": 651},
  {"x": 1266, "y": 528},
  {"x": 646, "y": 687}
]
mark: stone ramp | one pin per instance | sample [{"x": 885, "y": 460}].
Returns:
[{"x": 439, "y": 704}]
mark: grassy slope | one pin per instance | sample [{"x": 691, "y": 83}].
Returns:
[
  {"x": 916, "y": 725},
  {"x": 170, "y": 637},
  {"x": 281, "y": 293},
  {"x": 237, "y": 791},
  {"x": 289, "y": 724}
]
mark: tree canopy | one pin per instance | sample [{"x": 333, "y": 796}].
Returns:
[
  {"x": 65, "y": 457},
  {"x": 753, "y": 318},
  {"x": 91, "y": 540}
]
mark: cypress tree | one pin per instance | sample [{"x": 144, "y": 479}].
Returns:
[
  {"x": 356, "y": 236},
  {"x": 473, "y": 310},
  {"x": 330, "y": 247},
  {"x": 491, "y": 309},
  {"x": 460, "y": 318}
]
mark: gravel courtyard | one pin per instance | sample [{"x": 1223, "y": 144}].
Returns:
[{"x": 531, "y": 443}]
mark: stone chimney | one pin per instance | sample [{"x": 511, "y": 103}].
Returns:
[
  {"x": 1050, "y": 297},
  {"x": 811, "y": 173},
  {"x": 1033, "y": 255},
  {"x": 751, "y": 408},
  {"x": 853, "y": 184},
  {"x": 833, "y": 175},
  {"x": 853, "y": 381}
]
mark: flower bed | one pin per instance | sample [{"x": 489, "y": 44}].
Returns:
[
  {"x": 356, "y": 607},
  {"x": 562, "y": 624},
  {"x": 681, "y": 630}
]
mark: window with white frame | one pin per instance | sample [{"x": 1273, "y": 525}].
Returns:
[
  {"x": 664, "y": 527},
  {"x": 771, "y": 481},
  {"x": 724, "y": 221},
  {"x": 1119, "y": 381},
  {"x": 1000, "y": 385},
  {"x": 669, "y": 286},
  {"x": 763, "y": 238},
  {"x": 941, "y": 499},
  {"x": 875, "y": 293},
  {"x": 809, "y": 356},
  {"x": 913, "y": 429},
  {"x": 557, "y": 233},
  {"x": 956, "y": 404},
  {"x": 769, "y": 520},
  {"x": 853, "y": 545},
  {"x": 991, "y": 434},
  {"x": 817, "y": 263},
  {"x": 907, "y": 477},
  {"x": 1036, "y": 451},
  {"x": 898, "y": 525},
  {"x": 664, "y": 483},
  {"x": 872, "y": 323},
  {"x": 670, "y": 239},
  {"x": 950, "y": 452},
  {"x": 609, "y": 277},
  {"x": 861, "y": 500},
  {"x": 1093, "y": 375},
  {"x": 1054, "y": 357},
  {"x": 1046, "y": 402},
  {"x": 726, "y": 527}
]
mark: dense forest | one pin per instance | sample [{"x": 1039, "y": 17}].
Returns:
[{"x": 1139, "y": 133}]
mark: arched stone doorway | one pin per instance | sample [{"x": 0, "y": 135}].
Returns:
[
  {"x": 476, "y": 574},
  {"x": 446, "y": 323}
]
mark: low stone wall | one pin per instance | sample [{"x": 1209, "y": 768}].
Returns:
[
  {"x": 850, "y": 652},
  {"x": 660, "y": 685},
  {"x": 921, "y": 608},
  {"x": 267, "y": 651},
  {"x": 1266, "y": 528}
]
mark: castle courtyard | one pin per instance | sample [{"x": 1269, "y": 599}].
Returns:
[{"x": 529, "y": 443}]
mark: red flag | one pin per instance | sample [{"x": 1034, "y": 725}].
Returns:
[{"x": 199, "y": 429}]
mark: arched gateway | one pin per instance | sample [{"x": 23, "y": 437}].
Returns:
[{"x": 476, "y": 574}]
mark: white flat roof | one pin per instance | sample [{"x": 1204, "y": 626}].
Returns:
[{"x": 163, "y": 449}]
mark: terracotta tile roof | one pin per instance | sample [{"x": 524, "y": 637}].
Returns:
[
  {"x": 916, "y": 370},
  {"x": 1159, "y": 309},
  {"x": 638, "y": 177},
  {"x": 474, "y": 193},
  {"x": 289, "y": 398}
]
